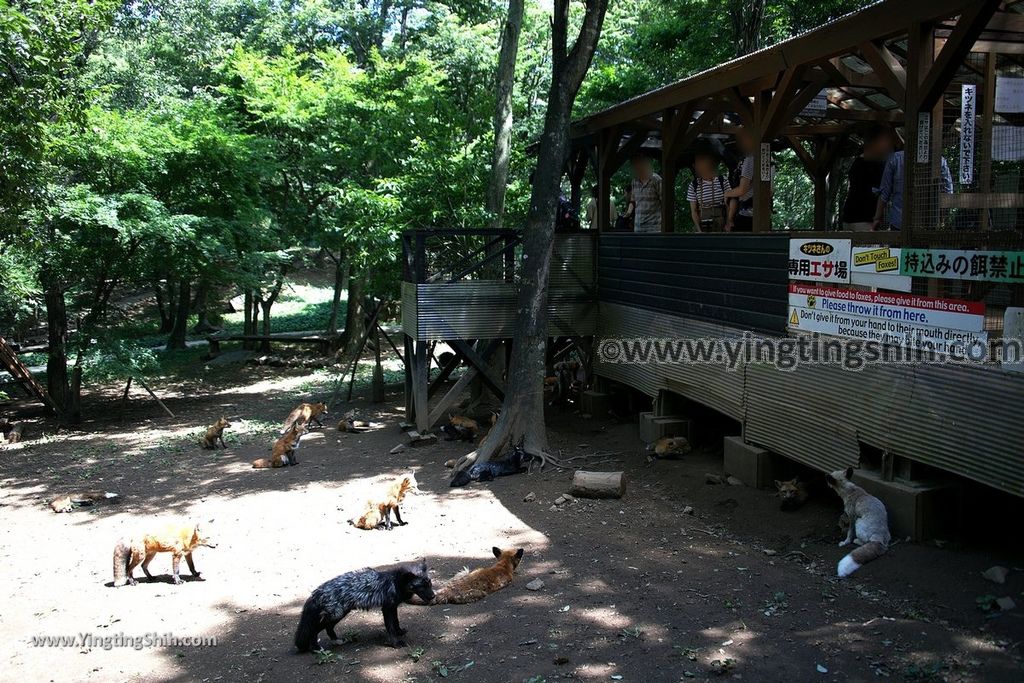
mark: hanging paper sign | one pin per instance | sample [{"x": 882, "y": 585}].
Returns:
[
  {"x": 924, "y": 136},
  {"x": 1009, "y": 95},
  {"x": 818, "y": 107},
  {"x": 968, "y": 108},
  {"x": 766, "y": 162}
]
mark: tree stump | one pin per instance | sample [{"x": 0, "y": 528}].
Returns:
[{"x": 598, "y": 484}]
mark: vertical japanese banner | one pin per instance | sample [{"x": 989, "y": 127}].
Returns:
[
  {"x": 924, "y": 136},
  {"x": 766, "y": 162},
  {"x": 968, "y": 109}
]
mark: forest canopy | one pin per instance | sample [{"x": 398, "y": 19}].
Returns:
[{"x": 199, "y": 149}]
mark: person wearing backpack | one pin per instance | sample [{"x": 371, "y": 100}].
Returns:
[{"x": 707, "y": 191}]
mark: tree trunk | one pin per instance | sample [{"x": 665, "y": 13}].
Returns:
[
  {"x": 205, "y": 322},
  {"x": 598, "y": 484},
  {"x": 341, "y": 274},
  {"x": 57, "y": 384},
  {"x": 176, "y": 340},
  {"x": 503, "y": 111},
  {"x": 247, "y": 324},
  {"x": 266, "y": 306},
  {"x": 355, "y": 313},
  {"x": 164, "y": 309},
  {"x": 747, "y": 19},
  {"x": 522, "y": 415}
]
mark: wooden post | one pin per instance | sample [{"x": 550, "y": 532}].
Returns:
[
  {"x": 377, "y": 387},
  {"x": 127, "y": 388},
  {"x": 668, "y": 171},
  {"x": 156, "y": 398},
  {"x": 421, "y": 370},
  {"x": 762, "y": 185},
  {"x": 604, "y": 180},
  {"x": 988, "y": 108},
  {"x": 409, "y": 383},
  {"x": 919, "y": 58}
]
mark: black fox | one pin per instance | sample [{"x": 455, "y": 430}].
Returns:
[
  {"x": 384, "y": 588},
  {"x": 487, "y": 471}
]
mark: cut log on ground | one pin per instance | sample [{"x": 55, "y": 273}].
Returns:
[{"x": 598, "y": 484}]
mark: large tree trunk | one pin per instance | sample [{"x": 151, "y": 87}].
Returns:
[
  {"x": 503, "y": 111},
  {"x": 522, "y": 414},
  {"x": 355, "y": 313},
  {"x": 206, "y": 321},
  {"x": 176, "y": 339},
  {"x": 341, "y": 275},
  {"x": 747, "y": 19},
  {"x": 57, "y": 383},
  {"x": 164, "y": 308}
]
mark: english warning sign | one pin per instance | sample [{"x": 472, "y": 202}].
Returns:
[{"x": 887, "y": 317}]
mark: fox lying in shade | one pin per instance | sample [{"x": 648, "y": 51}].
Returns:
[{"x": 869, "y": 523}]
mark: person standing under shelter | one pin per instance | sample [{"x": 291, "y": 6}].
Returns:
[
  {"x": 706, "y": 192},
  {"x": 741, "y": 211},
  {"x": 645, "y": 196},
  {"x": 865, "y": 180},
  {"x": 889, "y": 210}
]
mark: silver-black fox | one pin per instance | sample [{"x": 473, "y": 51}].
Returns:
[
  {"x": 383, "y": 588},
  {"x": 869, "y": 523}
]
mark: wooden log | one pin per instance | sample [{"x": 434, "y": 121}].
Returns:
[{"x": 598, "y": 484}]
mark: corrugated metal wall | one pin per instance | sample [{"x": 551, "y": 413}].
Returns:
[
  {"x": 965, "y": 420},
  {"x": 486, "y": 309},
  {"x": 736, "y": 279}
]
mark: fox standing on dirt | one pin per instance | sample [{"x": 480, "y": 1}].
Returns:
[
  {"x": 869, "y": 523},
  {"x": 178, "y": 539},
  {"x": 379, "y": 509},
  {"x": 460, "y": 428},
  {"x": 303, "y": 414},
  {"x": 470, "y": 586},
  {"x": 383, "y": 588},
  {"x": 283, "y": 453},
  {"x": 793, "y": 494},
  {"x": 16, "y": 432},
  {"x": 216, "y": 433}
]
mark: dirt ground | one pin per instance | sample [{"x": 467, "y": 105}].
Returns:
[{"x": 638, "y": 589}]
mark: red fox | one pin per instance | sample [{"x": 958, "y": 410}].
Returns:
[
  {"x": 793, "y": 493},
  {"x": 79, "y": 498},
  {"x": 350, "y": 424},
  {"x": 869, "y": 522},
  {"x": 216, "y": 433},
  {"x": 379, "y": 509},
  {"x": 16, "y": 432},
  {"x": 177, "y": 538},
  {"x": 303, "y": 414},
  {"x": 284, "y": 450},
  {"x": 669, "y": 446},
  {"x": 470, "y": 586}
]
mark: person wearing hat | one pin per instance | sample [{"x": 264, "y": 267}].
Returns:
[{"x": 706, "y": 192}]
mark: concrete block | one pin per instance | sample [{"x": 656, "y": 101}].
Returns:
[
  {"x": 595, "y": 403},
  {"x": 653, "y": 427},
  {"x": 751, "y": 464},
  {"x": 921, "y": 510}
]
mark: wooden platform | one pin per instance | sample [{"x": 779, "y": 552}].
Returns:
[{"x": 324, "y": 343}]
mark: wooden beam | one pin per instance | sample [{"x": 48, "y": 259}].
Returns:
[
  {"x": 479, "y": 361},
  {"x": 968, "y": 27},
  {"x": 742, "y": 105},
  {"x": 982, "y": 200},
  {"x": 988, "y": 108},
  {"x": 693, "y": 131},
  {"x": 779, "y": 104},
  {"x": 887, "y": 67}
]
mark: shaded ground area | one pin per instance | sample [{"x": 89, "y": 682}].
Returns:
[{"x": 636, "y": 589}]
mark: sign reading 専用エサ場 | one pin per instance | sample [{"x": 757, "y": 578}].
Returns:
[
  {"x": 956, "y": 264},
  {"x": 890, "y": 318},
  {"x": 820, "y": 260}
]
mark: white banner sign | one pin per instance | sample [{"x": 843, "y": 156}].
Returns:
[
  {"x": 820, "y": 260},
  {"x": 818, "y": 107},
  {"x": 879, "y": 267},
  {"x": 968, "y": 110}
]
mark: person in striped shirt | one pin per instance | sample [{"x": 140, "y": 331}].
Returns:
[
  {"x": 645, "y": 196},
  {"x": 706, "y": 192}
]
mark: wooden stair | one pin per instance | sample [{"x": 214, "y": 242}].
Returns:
[{"x": 20, "y": 374}]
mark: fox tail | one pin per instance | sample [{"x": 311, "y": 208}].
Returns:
[
  {"x": 860, "y": 557},
  {"x": 122, "y": 556}
]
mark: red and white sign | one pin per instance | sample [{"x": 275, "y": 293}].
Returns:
[{"x": 898, "y": 307}]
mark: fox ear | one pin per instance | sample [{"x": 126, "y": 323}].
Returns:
[
  {"x": 497, "y": 551},
  {"x": 519, "y": 554},
  {"x": 849, "y": 473},
  {"x": 778, "y": 484}
]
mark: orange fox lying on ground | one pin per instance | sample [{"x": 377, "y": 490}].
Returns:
[
  {"x": 284, "y": 450},
  {"x": 379, "y": 510},
  {"x": 470, "y": 586},
  {"x": 79, "y": 498},
  {"x": 303, "y": 414},
  {"x": 176, "y": 538}
]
